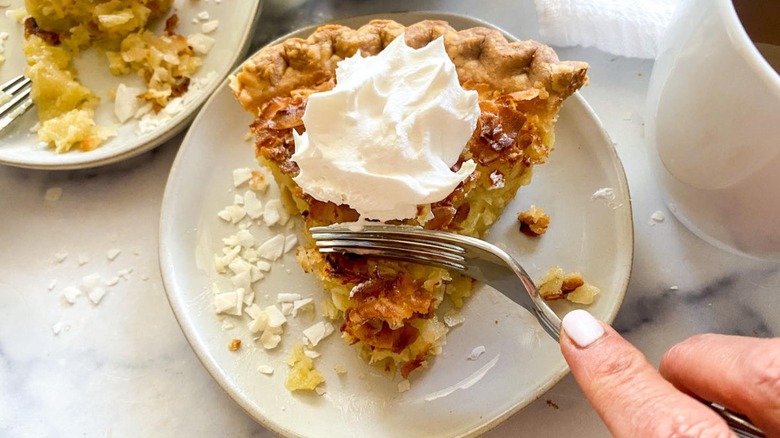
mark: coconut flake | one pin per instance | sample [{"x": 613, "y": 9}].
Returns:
[
  {"x": 290, "y": 242},
  {"x": 311, "y": 354},
  {"x": 57, "y": 328},
  {"x": 270, "y": 340},
  {"x": 240, "y": 176},
  {"x": 287, "y": 297},
  {"x": 275, "y": 316},
  {"x": 658, "y": 216},
  {"x": 298, "y": 304},
  {"x": 113, "y": 253},
  {"x": 246, "y": 239},
  {"x": 272, "y": 249},
  {"x": 253, "y": 310},
  {"x": 271, "y": 214},
  {"x": 126, "y": 102},
  {"x": 252, "y": 205},
  {"x": 201, "y": 44},
  {"x": 225, "y": 302},
  {"x": 259, "y": 323},
  {"x": 70, "y": 294},
  {"x": 242, "y": 280},
  {"x": 96, "y": 295},
  {"x": 317, "y": 332},
  {"x": 209, "y": 26}
]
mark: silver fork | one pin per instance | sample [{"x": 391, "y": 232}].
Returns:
[
  {"x": 14, "y": 99},
  {"x": 477, "y": 259},
  {"x": 473, "y": 257}
]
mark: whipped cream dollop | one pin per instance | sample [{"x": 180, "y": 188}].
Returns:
[{"x": 384, "y": 139}]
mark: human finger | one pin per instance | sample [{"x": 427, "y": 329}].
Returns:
[
  {"x": 628, "y": 393},
  {"x": 740, "y": 373}
]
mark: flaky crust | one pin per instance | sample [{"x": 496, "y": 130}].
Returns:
[{"x": 484, "y": 59}]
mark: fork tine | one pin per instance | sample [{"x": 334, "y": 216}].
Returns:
[
  {"x": 411, "y": 247},
  {"x": 404, "y": 242},
  {"x": 396, "y": 254},
  {"x": 17, "y": 82},
  {"x": 432, "y": 239},
  {"x": 17, "y": 92}
]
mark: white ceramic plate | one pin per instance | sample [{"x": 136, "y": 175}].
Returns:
[
  {"x": 586, "y": 235},
  {"x": 20, "y": 147}
]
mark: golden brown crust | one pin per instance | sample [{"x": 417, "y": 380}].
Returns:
[{"x": 484, "y": 59}]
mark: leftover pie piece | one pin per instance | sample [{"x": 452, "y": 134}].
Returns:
[
  {"x": 389, "y": 307},
  {"x": 58, "y": 30}
]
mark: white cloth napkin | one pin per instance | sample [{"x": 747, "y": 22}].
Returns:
[{"x": 623, "y": 27}]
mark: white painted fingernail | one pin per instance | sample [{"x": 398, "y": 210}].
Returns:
[{"x": 582, "y": 327}]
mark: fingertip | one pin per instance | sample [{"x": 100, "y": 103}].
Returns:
[{"x": 582, "y": 328}]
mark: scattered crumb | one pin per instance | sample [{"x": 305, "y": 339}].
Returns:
[
  {"x": 555, "y": 284},
  {"x": 53, "y": 284},
  {"x": 113, "y": 253},
  {"x": 57, "y": 328},
  {"x": 60, "y": 257},
  {"x": 209, "y": 26},
  {"x": 53, "y": 194},
  {"x": 70, "y": 294},
  {"x": 125, "y": 273},
  {"x": 234, "y": 344},
  {"x": 340, "y": 369},
  {"x": 83, "y": 259},
  {"x": 453, "y": 317},
  {"x": 627, "y": 116},
  {"x": 607, "y": 195},
  {"x": 94, "y": 286},
  {"x": 258, "y": 182},
  {"x": 674, "y": 288},
  {"x": 534, "y": 221},
  {"x": 657, "y": 217},
  {"x": 552, "y": 404},
  {"x": 302, "y": 375},
  {"x": 265, "y": 369},
  {"x": 240, "y": 176},
  {"x": 404, "y": 385}
]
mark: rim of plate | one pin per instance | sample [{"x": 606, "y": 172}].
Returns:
[
  {"x": 201, "y": 352},
  {"x": 150, "y": 140}
]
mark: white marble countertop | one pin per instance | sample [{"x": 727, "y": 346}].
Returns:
[{"x": 124, "y": 369}]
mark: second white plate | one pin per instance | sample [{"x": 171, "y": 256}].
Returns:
[
  {"x": 19, "y": 147},
  {"x": 520, "y": 363}
]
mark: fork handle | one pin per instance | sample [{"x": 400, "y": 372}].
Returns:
[{"x": 741, "y": 426}]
